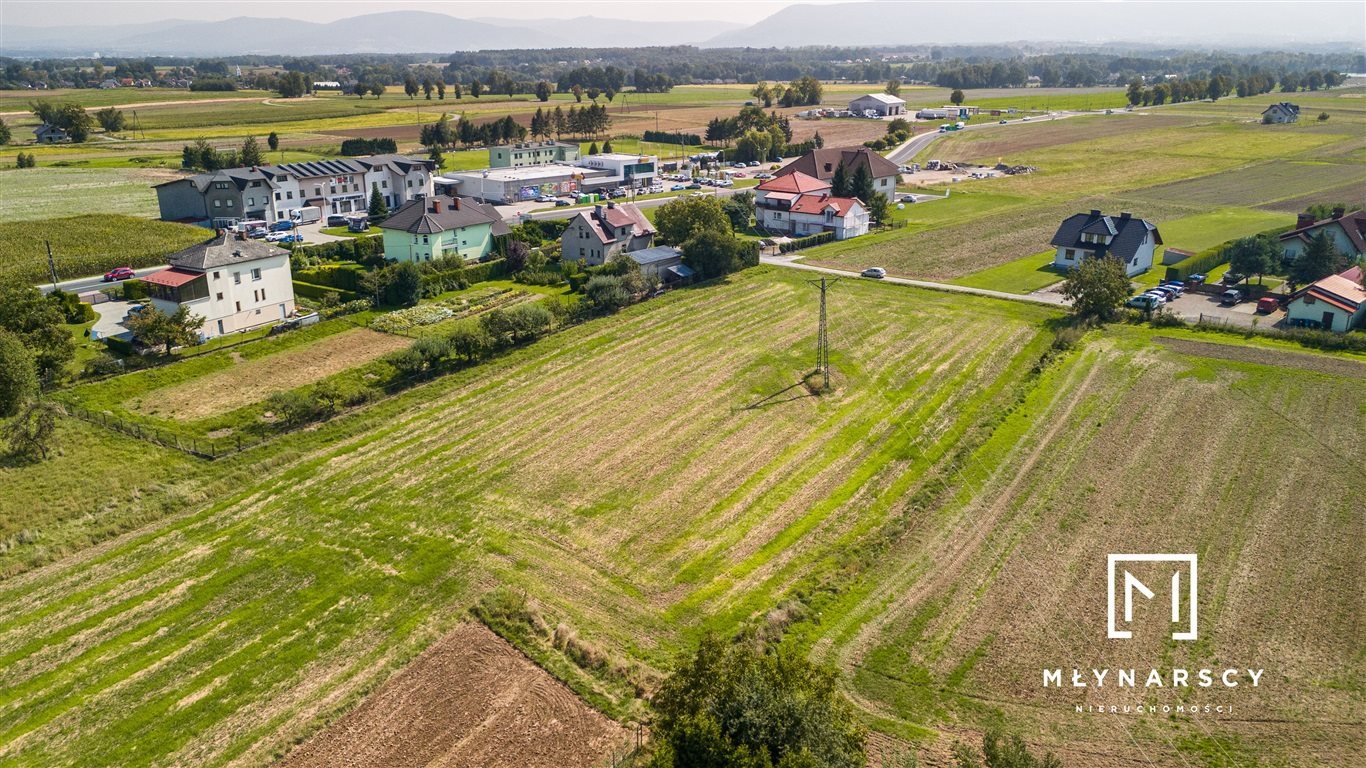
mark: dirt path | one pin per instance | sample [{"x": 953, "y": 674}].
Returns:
[{"x": 470, "y": 700}]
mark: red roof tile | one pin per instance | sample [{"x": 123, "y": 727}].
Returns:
[
  {"x": 171, "y": 278},
  {"x": 794, "y": 182},
  {"x": 817, "y": 204}
]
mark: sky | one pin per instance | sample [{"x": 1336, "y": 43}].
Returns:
[{"x": 44, "y": 13}]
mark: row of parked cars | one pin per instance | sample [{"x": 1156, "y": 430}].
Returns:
[{"x": 1155, "y": 297}]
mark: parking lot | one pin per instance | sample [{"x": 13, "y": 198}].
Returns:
[{"x": 1195, "y": 306}]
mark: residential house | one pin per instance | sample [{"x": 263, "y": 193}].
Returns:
[
  {"x": 662, "y": 263},
  {"x": 799, "y": 205},
  {"x": 1346, "y": 230},
  {"x": 234, "y": 283},
  {"x": 108, "y": 84},
  {"x": 50, "y": 134},
  {"x": 882, "y": 104},
  {"x": 442, "y": 227},
  {"x": 596, "y": 237},
  {"x": 1281, "y": 112},
  {"x": 1085, "y": 235},
  {"x": 1335, "y": 303},
  {"x": 533, "y": 153},
  {"x": 822, "y": 163},
  {"x": 270, "y": 192}
]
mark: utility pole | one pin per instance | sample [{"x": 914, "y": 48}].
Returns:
[
  {"x": 51, "y": 264},
  {"x": 822, "y": 339}
]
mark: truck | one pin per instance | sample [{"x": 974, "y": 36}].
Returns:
[{"x": 306, "y": 215}]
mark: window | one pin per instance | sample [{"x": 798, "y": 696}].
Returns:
[
  {"x": 410, "y": 183},
  {"x": 239, "y": 305},
  {"x": 290, "y": 194},
  {"x": 1069, "y": 254},
  {"x": 218, "y": 203},
  {"x": 256, "y": 273},
  {"x": 256, "y": 183},
  {"x": 258, "y": 311},
  {"x": 236, "y": 278},
  {"x": 317, "y": 191},
  {"x": 230, "y": 202},
  {"x": 384, "y": 184},
  {"x": 580, "y": 253},
  {"x": 251, "y": 201},
  {"x": 277, "y": 196},
  {"x": 332, "y": 189},
  {"x": 424, "y": 239},
  {"x": 215, "y": 275},
  {"x": 883, "y": 183},
  {"x": 220, "y": 185},
  {"x": 218, "y": 297}
]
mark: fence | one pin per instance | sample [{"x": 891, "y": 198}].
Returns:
[{"x": 202, "y": 447}]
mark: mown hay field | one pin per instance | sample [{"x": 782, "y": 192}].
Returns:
[{"x": 934, "y": 526}]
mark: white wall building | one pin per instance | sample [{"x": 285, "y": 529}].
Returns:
[
  {"x": 235, "y": 285},
  {"x": 1088, "y": 235}
]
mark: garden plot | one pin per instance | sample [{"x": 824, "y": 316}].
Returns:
[
  {"x": 431, "y": 316},
  {"x": 252, "y": 381}
]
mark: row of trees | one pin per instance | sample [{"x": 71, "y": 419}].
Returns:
[
  {"x": 202, "y": 156},
  {"x": 585, "y": 122},
  {"x": 70, "y": 117},
  {"x": 804, "y": 91}
]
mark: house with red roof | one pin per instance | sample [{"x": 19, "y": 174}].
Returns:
[
  {"x": 596, "y": 237},
  {"x": 800, "y": 205},
  {"x": 1335, "y": 303},
  {"x": 1346, "y": 230}
]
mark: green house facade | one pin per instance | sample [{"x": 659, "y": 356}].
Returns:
[{"x": 442, "y": 227}]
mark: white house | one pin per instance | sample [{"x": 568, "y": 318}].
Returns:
[
  {"x": 1084, "y": 235},
  {"x": 1335, "y": 303},
  {"x": 1346, "y": 230},
  {"x": 1281, "y": 112},
  {"x": 799, "y": 205},
  {"x": 234, "y": 284},
  {"x": 883, "y": 104},
  {"x": 823, "y": 163}
]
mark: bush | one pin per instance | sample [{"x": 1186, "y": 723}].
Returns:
[
  {"x": 134, "y": 290},
  {"x": 344, "y": 275},
  {"x": 806, "y": 242},
  {"x": 666, "y": 137},
  {"x": 317, "y": 292},
  {"x": 606, "y": 293},
  {"x": 119, "y": 346},
  {"x": 74, "y": 311},
  {"x": 347, "y": 308}
]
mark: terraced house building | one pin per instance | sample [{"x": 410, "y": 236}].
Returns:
[{"x": 270, "y": 192}]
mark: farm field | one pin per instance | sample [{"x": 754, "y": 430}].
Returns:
[
  {"x": 908, "y": 527},
  {"x": 89, "y": 245},
  {"x": 48, "y": 193}
]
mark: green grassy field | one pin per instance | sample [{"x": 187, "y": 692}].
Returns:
[
  {"x": 897, "y": 527},
  {"x": 89, "y": 245},
  {"x": 48, "y": 193},
  {"x": 1024, "y": 275}
]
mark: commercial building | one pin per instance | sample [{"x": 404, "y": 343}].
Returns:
[
  {"x": 623, "y": 170},
  {"x": 270, "y": 192},
  {"x": 881, "y": 104},
  {"x": 533, "y": 153},
  {"x": 511, "y": 185}
]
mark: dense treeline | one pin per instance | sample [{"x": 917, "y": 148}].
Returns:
[{"x": 658, "y": 69}]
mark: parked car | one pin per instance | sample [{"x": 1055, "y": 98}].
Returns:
[
  {"x": 876, "y": 273},
  {"x": 693, "y": 185},
  {"x": 1158, "y": 295},
  {"x": 336, "y": 220},
  {"x": 1231, "y": 297},
  {"x": 907, "y": 199},
  {"x": 118, "y": 273},
  {"x": 763, "y": 175},
  {"x": 1176, "y": 285},
  {"x": 678, "y": 187},
  {"x": 1167, "y": 292},
  {"x": 1002, "y": 123},
  {"x": 738, "y": 175},
  {"x": 258, "y": 233},
  {"x": 754, "y": 164},
  {"x": 136, "y": 309},
  {"x": 1232, "y": 278},
  {"x": 284, "y": 237},
  {"x": 560, "y": 202},
  {"x": 1196, "y": 279},
  {"x": 282, "y": 226},
  {"x": 1268, "y": 304},
  {"x": 1144, "y": 302}
]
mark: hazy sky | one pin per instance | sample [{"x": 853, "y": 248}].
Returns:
[{"x": 67, "y": 12}]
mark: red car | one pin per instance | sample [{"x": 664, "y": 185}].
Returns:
[
  {"x": 1268, "y": 304},
  {"x": 118, "y": 273}
]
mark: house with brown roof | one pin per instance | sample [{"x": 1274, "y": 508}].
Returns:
[
  {"x": 1335, "y": 303},
  {"x": 442, "y": 227},
  {"x": 235, "y": 284},
  {"x": 822, "y": 163},
  {"x": 798, "y": 205},
  {"x": 1346, "y": 230},
  {"x": 596, "y": 237}
]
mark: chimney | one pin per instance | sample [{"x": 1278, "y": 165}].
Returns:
[
  {"x": 1338, "y": 212},
  {"x": 1304, "y": 220},
  {"x": 597, "y": 212},
  {"x": 1094, "y": 212},
  {"x": 436, "y": 206},
  {"x": 455, "y": 203},
  {"x": 1125, "y": 215}
]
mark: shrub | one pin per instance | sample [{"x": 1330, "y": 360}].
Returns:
[
  {"x": 606, "y": 293},
  {"x": 346, "y": 308},
  {"x": 292, "y": 408},
  {"x": 806, "y": 242},
  {"x": 355, "y": 147}
]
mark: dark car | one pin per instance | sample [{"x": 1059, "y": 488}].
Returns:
[
  {"x": 118, "y": 273},
  {"x": 560, "y": 202},
  {"x": 282, "y": 226},
  {"x": 694, "y": 185},
  {"x": 1196, "y": 279},
  {"x": 336, "y": 220},
  {"x": 1231, "y": 297},
  {"x": 1232, "y": 278}
]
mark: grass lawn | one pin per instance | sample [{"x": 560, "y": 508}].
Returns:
[
  {"x": 344, "y": 232},
  {"x": 89, "y": 245},
  {"x": 1019, "y": 276},
  {"x": 1205, "y": 230}
]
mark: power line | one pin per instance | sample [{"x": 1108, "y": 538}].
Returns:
[{"x": 822, "y": 338}]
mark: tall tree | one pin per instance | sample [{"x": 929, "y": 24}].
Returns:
[
  {"x": 893, "y": 87},
  {"x": 1318, "y": 261},
  {"x": 37, "y": 322},
  {"x": 476, "y": 88},
  {"x": 1135, "y": 92},
  {"x": 250, "y": 155},
  {"x": 273, "y": 141},
  {"x": 1252, "y": 256},
  {"x": 33, "y": 432},
  {"x": 681, "y": 219},
  {"x": 18, "y": 374},
  {"x": 378, "y": 210},
  {"x": 839, "y": 184},
  {"x": 5, "y": 135},
  {"x": 1097, "y": 287},
  {"x": 427, "y": 88},
  {"x": 441, "y": 89},
  {"x": 956, "y": 97},
  {"x": 111, "y": 119},
  {"x": 861, "y": 185},
  {"x": 543, "y": 90},
  {"x": 410, "y": 86},
  {"x": 158, "y": 329}
]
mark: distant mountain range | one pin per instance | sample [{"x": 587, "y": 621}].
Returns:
[
  {"x": 388, "y": 32},
  {"x": 881, "y": 23}
]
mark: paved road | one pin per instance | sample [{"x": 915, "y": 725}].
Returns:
[
  {"x": 83, "y": 284},
  {"x": 1048, "y": 299},
  {"x": 903, "y": 154}
]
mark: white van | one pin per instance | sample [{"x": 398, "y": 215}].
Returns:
[
  {"x": 246, "y": 225},
  {"x": 306, "y": 215}
]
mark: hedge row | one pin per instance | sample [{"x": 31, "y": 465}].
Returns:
[
  {"x": 1212, "y": 257},
  {"x": 806, "y": 242},
  {"x": 350, "y": 249},
  {"x": 343, "y": 275},
  {"x": 357, "y": 147},
  {"x": 316, "y": 292},
  {"x": 666, "y": 137}
]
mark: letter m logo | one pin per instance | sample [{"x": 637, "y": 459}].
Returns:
[{"x": 1123, "y": 590}]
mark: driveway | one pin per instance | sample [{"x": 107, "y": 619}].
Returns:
[
  {"x": 1195, "y": 306},
  {"x": 313, "y": 233},
  {"x": 789, "y": 260},
  {"x": 110, "y": 322}
]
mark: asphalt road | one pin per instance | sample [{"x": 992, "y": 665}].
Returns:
[
  {"x": 903, "y": 154},
  {"x": 83, "y": 284}
]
